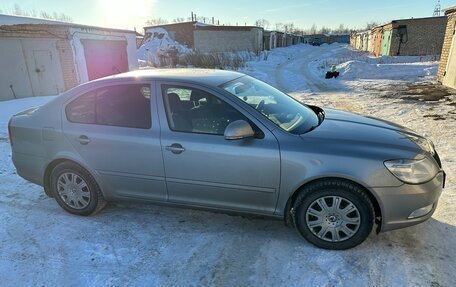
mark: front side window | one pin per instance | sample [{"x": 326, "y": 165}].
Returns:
[
  {"x": 195, "y": 111},
  {"x": 284, "y": 111},
  {"x": 120, "y": 105}
]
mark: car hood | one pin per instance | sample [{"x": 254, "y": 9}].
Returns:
[{"x": 347, "y": 129}]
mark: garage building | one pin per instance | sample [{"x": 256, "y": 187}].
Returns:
[
  {"x": 42, "y": 57},
  {"x": 207, "y": 38}
]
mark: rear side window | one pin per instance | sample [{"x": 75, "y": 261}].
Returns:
[
  {"x": 121, "y": 105},
  {"x": 82, "y": 110}
]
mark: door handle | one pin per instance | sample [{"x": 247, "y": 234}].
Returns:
[
  {"x": 175, "y": 148},
  {"x": 83, "y": 139}
]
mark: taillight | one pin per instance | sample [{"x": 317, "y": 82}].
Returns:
[{"x": 9, "y": 132}]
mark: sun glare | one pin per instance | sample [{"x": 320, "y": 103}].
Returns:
[{"x": 124, "y": 14}]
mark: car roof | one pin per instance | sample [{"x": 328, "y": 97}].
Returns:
[{"x": 198, "y": 76}]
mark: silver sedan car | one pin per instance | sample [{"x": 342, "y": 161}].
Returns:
[{"x": 225, "y": 141}]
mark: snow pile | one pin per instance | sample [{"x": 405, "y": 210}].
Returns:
[
  {"x": 356, "y": 69},
  {"x": 158, "y": 43}
]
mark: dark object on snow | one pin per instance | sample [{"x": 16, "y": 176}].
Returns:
[{"x": 329, "y": 75}]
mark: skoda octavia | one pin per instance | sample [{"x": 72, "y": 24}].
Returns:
[{"x": 225, "y": 141}]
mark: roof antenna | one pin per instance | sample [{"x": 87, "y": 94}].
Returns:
[{"x": 437, "y": 9}]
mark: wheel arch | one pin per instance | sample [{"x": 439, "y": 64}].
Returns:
[{"x": 372, "y": 196}]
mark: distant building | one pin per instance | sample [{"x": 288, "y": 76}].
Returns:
[
  {"x": 271, "y": 40},
  {"x": 281, "y": 39},
  {"x": 43, "y": 57},
  {"x": 376, "y": 39},
  {"x": 210, "y": 38},
  {"x": 318, "y": 39},
  {"x": 405, "y": 37},
  {"x": 447, "y": 67}
]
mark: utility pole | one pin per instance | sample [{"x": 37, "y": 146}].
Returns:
[
  {"x": 192, "y": 17},
  {"x": 437, "y": 9}
]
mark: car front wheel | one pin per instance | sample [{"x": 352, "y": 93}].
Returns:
[{"x": 334, "y": 214}]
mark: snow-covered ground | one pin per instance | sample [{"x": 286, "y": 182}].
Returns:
[{"x": 146, "y": 245}]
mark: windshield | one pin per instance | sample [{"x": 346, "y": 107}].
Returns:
[{"x": 284, "y": 111}]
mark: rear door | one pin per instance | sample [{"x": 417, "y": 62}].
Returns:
[
  {"x": 204, "y": 169},
  {"x": 115, "y": 130}
]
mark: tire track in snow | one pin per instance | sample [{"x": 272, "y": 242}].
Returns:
[{"x": 297, "y": 73}]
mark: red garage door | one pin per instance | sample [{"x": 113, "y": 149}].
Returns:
[{"x": 105, "y": 58}]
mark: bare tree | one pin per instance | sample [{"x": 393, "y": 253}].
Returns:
[
  {"x": 313, "y": 29},
  {"x": 341, "y": 30},
  {"x": 279, "y": 27},
  {"x": 203, "y": 19},
  {"x": 262, "y": 23},
  {"x": 17, "y": 10},
  {"x": 371, "y": 24},
  {"x": 156, "y": 22},
  {"x": 324, "y": 30},
  {"x": 288, "y": 28},
  {"x": 179, "y": 20}
]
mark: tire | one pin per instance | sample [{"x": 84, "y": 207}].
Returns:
[
  {"x": 75, "y": 189},
  {"x": 333, "y": 214}
]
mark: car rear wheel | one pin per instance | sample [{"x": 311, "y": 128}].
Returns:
[
  {"x": 75, "y": 190},
  {"x": 334, "y": 214}
]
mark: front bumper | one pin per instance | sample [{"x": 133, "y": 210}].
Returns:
[{"x": 397, "y": 203}]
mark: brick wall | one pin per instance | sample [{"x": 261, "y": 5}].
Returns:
[
  {"x": 228, "y": 40},
  {"x": 447, "y": 42},
  {"x": 180, "y": 32},
  {"x": 67, "y": 63},
  {"x": 424, "y": 37}
]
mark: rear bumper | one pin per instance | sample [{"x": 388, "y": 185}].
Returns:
[
  {"x": 29, "y": 167},
  {"x": 399, "y": 202}
]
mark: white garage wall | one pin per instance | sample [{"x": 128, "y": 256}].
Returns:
[{"x": 95, "y": 34}]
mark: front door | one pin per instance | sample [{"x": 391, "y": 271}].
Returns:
[
  {"x": 117, "y": 136},
  {"x": 204, "y": 169}
]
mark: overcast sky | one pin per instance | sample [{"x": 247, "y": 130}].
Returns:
[{"x": 303, "y": 13}]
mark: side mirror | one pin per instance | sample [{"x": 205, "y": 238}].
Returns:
[{"x": 237, "y": 130}]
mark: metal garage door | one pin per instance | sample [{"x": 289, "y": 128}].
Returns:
[
  {"x": 14, "y": 78},
  {"x": 450, "y": 74},
  {"x": 386, "y": 43},
  {"x": 104, "y": 58},
  {"x": 30, "y": 67}
]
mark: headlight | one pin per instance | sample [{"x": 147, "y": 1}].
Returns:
[{"x": 412, "y": 170}]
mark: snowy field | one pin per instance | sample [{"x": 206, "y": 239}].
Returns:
[{"x": 146, "y": 245}]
